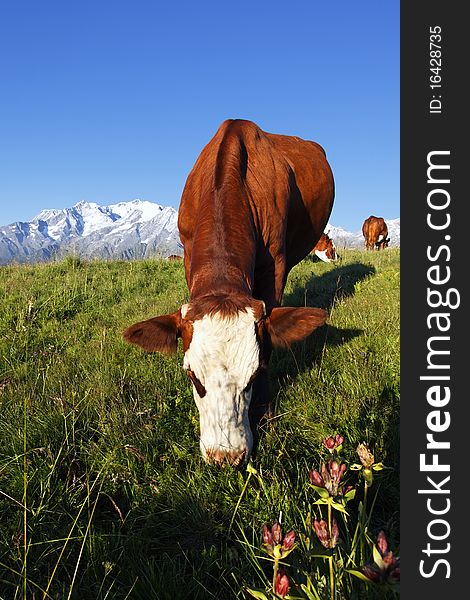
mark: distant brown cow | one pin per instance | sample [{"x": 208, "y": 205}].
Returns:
[
  {"x": 174, "y": 257},
  {"x": 325, "y": 249},
  {"x": 375, "y": 232}
]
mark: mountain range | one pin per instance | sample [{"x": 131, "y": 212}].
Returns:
[{"x": 127, "y": 230}]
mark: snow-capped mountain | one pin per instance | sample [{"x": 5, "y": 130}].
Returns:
[{"x": 136, "y": 229}]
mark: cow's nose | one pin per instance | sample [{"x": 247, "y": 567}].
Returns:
[{"x": 221, "y": 458}]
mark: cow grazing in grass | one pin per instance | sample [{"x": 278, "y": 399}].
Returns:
[
  {"x": 253, "y": 206},
  {"x": 375, "y": 232},
  {"x": 325, "y": 249}
]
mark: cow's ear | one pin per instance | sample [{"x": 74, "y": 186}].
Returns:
[
  {"x": 159, "y": 334},
  {"x": 287, "y": 325}
]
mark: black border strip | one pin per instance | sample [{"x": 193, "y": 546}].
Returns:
[{"x": 431, "y": 566}]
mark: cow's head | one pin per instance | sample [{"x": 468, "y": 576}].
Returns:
[
  {"x": 223, "y": 352},
  {"x": 382, "y": 242},
  {"x": 326, "y": 249}
]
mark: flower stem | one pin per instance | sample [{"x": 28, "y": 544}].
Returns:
[
  {"x": 363, "y": 523},
  {"x": 330, "y": 558},
  {"x": 276, "y": 566},
  {"x": 332, "y": 578},
  {"x": 239, "y": 501},
  {"x": 329, "y": 521}
]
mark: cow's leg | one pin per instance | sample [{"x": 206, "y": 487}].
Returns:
[
  {"x": 261, "y": 408},
  {"x": 261, "y": 405}
]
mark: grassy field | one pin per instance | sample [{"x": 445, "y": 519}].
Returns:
[{"x": 103, "y": 492}]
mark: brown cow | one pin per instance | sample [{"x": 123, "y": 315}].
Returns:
[
  {"x": 375, "y": 232},
  {"x": 325, "y": 249},
  {"x": 253, "y": 206}
]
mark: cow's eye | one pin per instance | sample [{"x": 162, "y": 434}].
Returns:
[
  {"x": 200, "y": 389},
  {"x": 252, "y": 379},
  {"x": 248, "y": 388}
]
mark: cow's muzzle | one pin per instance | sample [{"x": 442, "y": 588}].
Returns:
[{"x": 233, "y": 458}]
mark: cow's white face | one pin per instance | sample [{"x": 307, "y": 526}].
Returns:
[
  {"x": 222, "y": 360},
  {"x": 222, "y": 356},
  {"x": 328, "y": 254},
  {"x": 323, "y": 255}
]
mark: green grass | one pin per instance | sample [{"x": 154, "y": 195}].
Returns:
[{"x": 103, "y": 492}]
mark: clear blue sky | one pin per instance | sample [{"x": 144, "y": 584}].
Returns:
[{"x": 108, "y": 101}]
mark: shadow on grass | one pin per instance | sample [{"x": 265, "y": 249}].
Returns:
[
  {"x": 173, "y": 548},
  {"x": 323, "y": 292},
  {"x": 169, "y": 547}
]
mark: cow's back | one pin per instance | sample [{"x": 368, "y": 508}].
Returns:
[
  {"x": 311, "y": 194},
  {"x": 286, "y": 192}
]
